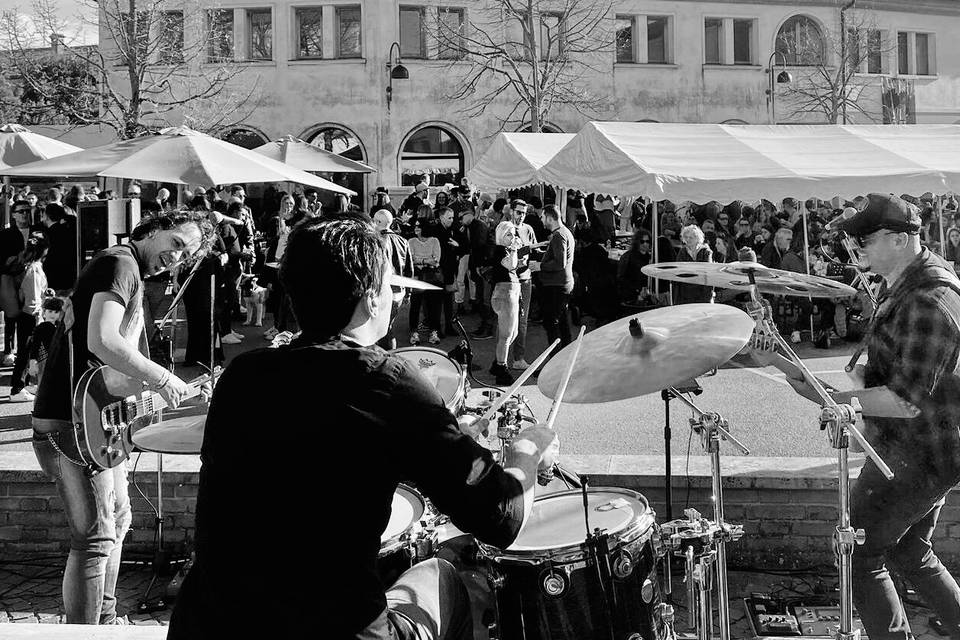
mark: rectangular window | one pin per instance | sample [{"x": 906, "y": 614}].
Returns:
[
  {"x": 170, "y": 47},
  {"x": 874, "y": 51},
  {"x": 903, "y": 55},
  {"x": 712, "y": 40},
  {"x": 220, "y": 35},
  {"x": 348, "y": 32},
  {"x": 309, "y": 22},
  {"x": 625, "y": 51},
  {"x": 449, "y": 38},
  {"x": 551, "y": 36},
  {"x": 657, "y": 34},
  {"x": 412, "y": 41},
  {"x": 259, "y": 34},
  {"x": 923, "y": 54},
  {"x": 743, "y": 42}
]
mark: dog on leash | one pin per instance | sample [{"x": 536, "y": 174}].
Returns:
[{"x": 254, "y": 298}]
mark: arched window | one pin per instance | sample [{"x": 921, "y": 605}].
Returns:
[
  {"x": 800, "y": 42},
  {"x": 343, "y": 143},
  {"x": 246, "y": 138},
  {"x": 431, "y": 154}
]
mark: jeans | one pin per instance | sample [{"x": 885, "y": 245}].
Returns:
[
  {"x": 428, "y": 602},
  {"x": 433, "y": 301},
  {"x": 898, "y": 517},
  {"x": 97, "y": 508},
  {"x": 556, "y": 323},
  {"x": 520, "y": 343},
  {"x": 466, "y": 287},
  {"x": 25, "y": 325},
  {"x": 506, "y": 304}
]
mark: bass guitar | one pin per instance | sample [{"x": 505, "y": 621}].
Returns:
[{"x": 112, "y": 406}]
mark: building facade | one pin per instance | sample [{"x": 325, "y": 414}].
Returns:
[{"x": 322, "y": 69}]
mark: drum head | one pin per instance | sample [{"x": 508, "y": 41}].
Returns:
[
  {"x": 557, "y": 519},
  {"x": 407, "y": 508},
  {"x": 178, "y": 435},
  {"x": 442, "y": 372}
]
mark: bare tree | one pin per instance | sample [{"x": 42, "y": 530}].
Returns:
[
  {"x": 531, "y": 55},
  {"x": 832, "y": 69},
  {"x": 160, "y": 62}
]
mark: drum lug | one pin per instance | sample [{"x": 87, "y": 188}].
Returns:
[
  {"x": 554, "y": 583},
  {"x": 623, "y": 564}
]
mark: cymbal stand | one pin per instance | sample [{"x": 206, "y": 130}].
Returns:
[
  {"x": 839, "y": 421},
  {"x": 711, "y": 428}
]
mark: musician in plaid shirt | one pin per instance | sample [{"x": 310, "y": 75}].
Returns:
[{"x": 913, "y": 348}]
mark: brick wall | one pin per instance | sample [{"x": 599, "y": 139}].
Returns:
[{"x": 787, "y": 506}]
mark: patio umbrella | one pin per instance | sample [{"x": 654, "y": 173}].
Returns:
[
  {"x": 19, "y": 145},
  {"x": 310, "y": 157},
  {"x": 179, "y": 155}
]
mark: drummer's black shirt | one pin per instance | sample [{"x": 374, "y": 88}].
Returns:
[{"x": 302, "y": 452}]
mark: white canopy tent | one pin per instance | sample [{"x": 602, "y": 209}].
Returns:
[
  {"x": 514, "y": 160},
  {"x": 704, "y": 162}
]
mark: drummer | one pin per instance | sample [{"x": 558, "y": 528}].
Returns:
[{"x": 329, "y": 446}]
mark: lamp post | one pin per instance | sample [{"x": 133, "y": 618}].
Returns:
[
  {"x": 783, "y": 77},
  {"x": 394, "y": 71}
]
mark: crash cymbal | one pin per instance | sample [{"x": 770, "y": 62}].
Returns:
[
  {"x": 410, "y": 283},
  {"x": 677, "y": 343},
  {"x": 735, "y": 275}
]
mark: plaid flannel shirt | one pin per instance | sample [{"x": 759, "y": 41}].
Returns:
[{"x": 914, "y": 349}]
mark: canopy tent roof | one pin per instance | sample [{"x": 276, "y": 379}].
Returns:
[
  {"x": 514, "y": 159},
  {"x": 19, "y": 145},
  {"x": 179, "y": 155},
  {"x": 703, "y": 162},
  {"x": 310, "y": 157}
]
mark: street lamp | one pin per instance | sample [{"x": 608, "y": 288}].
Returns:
[
  {"x": 394, "y": 71},
  {"x": 783, "y": 77}
]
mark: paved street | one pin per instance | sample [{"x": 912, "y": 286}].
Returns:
[{"x": 763, "y": 412}]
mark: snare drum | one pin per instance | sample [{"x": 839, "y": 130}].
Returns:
[
  {"x": 405, "y": 541},
  {"x": 549, "y": 587},
  {"x": 444, "y": 373}
]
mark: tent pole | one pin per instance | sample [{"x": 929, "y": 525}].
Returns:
[
  {"x": 806, "y": 260},
  {"x": 939, "y": 212},
  {"x": 6, "y": 207},
  {"x": 655, "y": 236}
]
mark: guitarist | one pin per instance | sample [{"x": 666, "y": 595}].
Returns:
[
  {"x": 913, "y": 349},
  {"x": 103, "y": 323}
]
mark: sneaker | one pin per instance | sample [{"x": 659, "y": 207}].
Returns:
[
  {"x": 229, "y": 339},
  {"x": 238, "y": 336},
  {"x": 22, "y": 396},
  {"x": 270, "y": 333},
  {"x": 31, "y": 388},
  {"x": 9, "y": 359},
  {"x": 434, "y": 338},
  {"x": 414, "y": 339},
  {"x": 520, "y": 365},
  {"x": 501, "y": 374},
  {"x": 795, "y": 337}
]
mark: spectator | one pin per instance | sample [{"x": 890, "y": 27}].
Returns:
[
  {"x": 13, "y": 240},
  {"x": 495, "y": 216},
  {"x": 61, "y": 262},
  {"x": 446, "y": 233},
  {"x": 720, "y": 247},
  {"x": 402, "y": 262},
  {"x": 311, "y": 203},
  {"x": 532, "y": 219},
  {"x": 669, "y": 221},
  {"x": 631, "y": 281},
  {"x": 773, "y": 254},
  {"x": 426, "y": 267},
  {"x": 506, "y": 296},
  {"x": 33, "y": 284},
  {"x": 605, "y": 209},
  {"x": 556, "y": 276},
  {"x": 694, "y": 249},
  {"x": 763, "y": 237},
  {"x": 278, "y": 232},
  {"x": 527, "y": 238},
  {"x": 426, "y": 217},
  {"x": 952, "y": 250},
  {"x": 42, "y": 338},
  {"x": 744, "y": 236},
  {"x": 419, "y": 197},
  {"x": 596, "y": 279},
  {"x": 381, "y": 200},
  {"x": 475, "y": 232}
]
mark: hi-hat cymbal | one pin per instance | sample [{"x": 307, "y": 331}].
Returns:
[
  {"x": 410, "y": 283},
  {"x": 736, "y": 275},
  {"x": 677, "y": 343}
]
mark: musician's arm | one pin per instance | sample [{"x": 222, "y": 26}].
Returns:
[{"x": 105, "y": 341}]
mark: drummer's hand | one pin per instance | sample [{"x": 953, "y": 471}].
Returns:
[
  {"x": 174, "y": 391},
  {"x": 471, "y": 425},
  {"x": 547, "y": 442},
  {"x": 803, "y": 388}
]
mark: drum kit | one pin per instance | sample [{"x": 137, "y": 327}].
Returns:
[{"x": 586, "y": 563}]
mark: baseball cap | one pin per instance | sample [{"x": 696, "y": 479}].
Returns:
[{"x": 879, "y": 211}]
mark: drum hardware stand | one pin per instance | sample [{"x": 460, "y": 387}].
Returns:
[
  {"x": 839, "y": 421},
  {"x": 711, "y": 428}
]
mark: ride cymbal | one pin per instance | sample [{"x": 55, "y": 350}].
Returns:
[
  {"x": 648, "y": 352},
  {"x": 736, "y": 275}
]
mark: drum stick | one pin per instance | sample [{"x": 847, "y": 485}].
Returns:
[
  {"x": 519, "y": 382},
  {"x": 566, "y": 378}
]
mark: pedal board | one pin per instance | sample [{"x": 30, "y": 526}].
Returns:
[{"x": 773, "y": 618}]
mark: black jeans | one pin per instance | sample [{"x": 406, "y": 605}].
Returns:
[
  {"x": 898, "y": 517},
  {"x": 553, "y": 310},
  {"x": 18, "y": 379},
  {"x": 433, "y": 301}
]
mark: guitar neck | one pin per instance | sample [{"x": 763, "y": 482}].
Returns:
[{"x": 153, "y": 401}]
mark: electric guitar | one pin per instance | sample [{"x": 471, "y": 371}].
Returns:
[{"x": 112, "y": 406}]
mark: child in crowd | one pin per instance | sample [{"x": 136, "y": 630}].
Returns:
[{"x": 42, "y": 337}]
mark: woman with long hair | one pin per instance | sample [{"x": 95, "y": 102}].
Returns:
[
  {"x": 630, "y": 279},
  {"x": 694, "y": 249},
  {"x": 505, "y": 299},
  {"x": 32, "y": 288},
  {"x": 425, "y": 251},
  {"x": 951, "y": 252}
]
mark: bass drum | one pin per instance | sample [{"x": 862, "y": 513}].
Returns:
[
  {"x": 550, "y": 588},
  {"x": 442, "y": 371}
]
